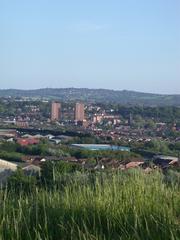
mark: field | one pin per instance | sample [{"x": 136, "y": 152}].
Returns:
[{"x": 123, "y": 205}]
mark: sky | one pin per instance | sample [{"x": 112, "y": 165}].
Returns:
[{"x": 117, "y": 44}]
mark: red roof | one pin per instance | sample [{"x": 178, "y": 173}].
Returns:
[
  {"x": 133, "y": 164},
  {"x": 27, "y": 141}
]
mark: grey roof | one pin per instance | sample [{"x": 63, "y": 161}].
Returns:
[{"x": 168, "y": 158}]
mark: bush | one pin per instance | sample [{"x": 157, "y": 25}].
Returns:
[
  {"x": 53, "y": 171},
  {"x": 11, "y": 156},
  {"x": 18, "y": 182}
]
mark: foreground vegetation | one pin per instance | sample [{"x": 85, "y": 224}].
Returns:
[{"x": 123, "y": 205}]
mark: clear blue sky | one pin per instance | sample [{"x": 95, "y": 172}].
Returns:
[{"x": 117, "y": 44}]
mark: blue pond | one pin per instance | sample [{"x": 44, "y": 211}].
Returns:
[{"x": 96, "y": 147}]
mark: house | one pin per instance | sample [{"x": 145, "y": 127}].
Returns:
[
  {"x": 8, "y": 133},
  {"x": 6, "y": 169},
  {"x": 134, "y": 164},
  {"x": 35, "y": 160},
  {"x": 165, "y": 161},
  {"x": 60, "y": 138},
  {"x": 55, "y": 140},
  {"x": 38, "y": 136},
  {"x": 22, "y": 124},
  {"x": 27, "y": 136},
  {"x": 27, "y": 141},
  {"x": 7, "y": 165},
  {"x": 10, "y": 140},
  {"x": 32, "y": 170},
  {"x": 49, "y": 136}
]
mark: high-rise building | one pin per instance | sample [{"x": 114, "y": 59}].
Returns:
[
  {"x": 55, "y": 111},
  {"x": 79, "y": 112}
]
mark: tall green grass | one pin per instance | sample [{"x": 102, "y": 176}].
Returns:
[{"x": 123, "y": 205}]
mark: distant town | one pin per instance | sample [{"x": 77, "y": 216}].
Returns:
[{"x": 91, "y": 135}]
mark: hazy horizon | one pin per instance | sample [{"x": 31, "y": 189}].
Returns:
[
  {"x": 131, "y": 90},
  {"x": 131, "y": 45}
]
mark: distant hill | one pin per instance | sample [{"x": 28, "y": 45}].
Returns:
[{"x": 96, "y": 95}]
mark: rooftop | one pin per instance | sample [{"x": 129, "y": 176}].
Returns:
[{"x": 101, "y": 147}]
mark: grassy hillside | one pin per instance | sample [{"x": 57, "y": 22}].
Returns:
[
  {"x": 96, "y": 95},
  {"x": 126, "y": 206}
]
